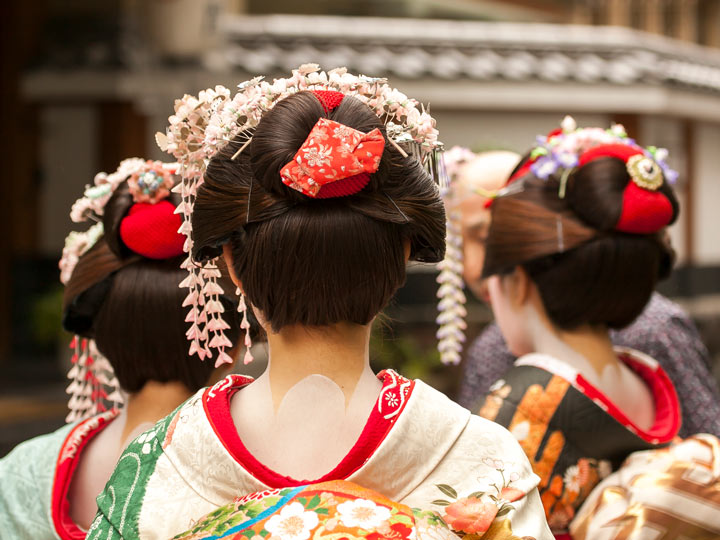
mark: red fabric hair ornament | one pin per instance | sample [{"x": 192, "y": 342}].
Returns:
[
  {"x": 645, "y": 210},
  {"x": 151, "y": 230},
  {"x": 335, "y": 160}
]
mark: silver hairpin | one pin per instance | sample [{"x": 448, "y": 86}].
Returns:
[
  {"x": 559, "y": 229},
  {"x": 512, "y": 188},
  {"x": 407, "y": 220},
  {"x": 247, "y": 215}
]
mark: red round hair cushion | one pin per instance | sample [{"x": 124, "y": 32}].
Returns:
[{"x": 151, "y": 230}]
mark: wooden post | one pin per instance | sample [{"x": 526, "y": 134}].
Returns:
[
  {"x": 711, "y": 23},
  {"x": 631, "y": 122},
  {"x": 686, "y": 20},
  {"x": 619, "y": 12},
  {"x": 20, "y": 24},
  {"x": 688, "y": 210},
  {"x": 581, "y": 13},
  {"x": 122, "y": 131},
  {"x": 652, "y": 14}
]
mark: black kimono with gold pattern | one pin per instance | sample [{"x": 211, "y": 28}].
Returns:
[{"x": 572, "y": 433}]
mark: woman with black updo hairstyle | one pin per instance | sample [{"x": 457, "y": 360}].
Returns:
[
  {"x": 123, "y": 303},
  {"x": 316, "y": 209},
  {"x": 576, "y": 246}
]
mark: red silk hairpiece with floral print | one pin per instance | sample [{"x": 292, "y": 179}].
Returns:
[{"x": 335, "y": 160}]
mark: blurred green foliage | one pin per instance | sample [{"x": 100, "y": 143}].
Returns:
[
  {"x": 413, "y": 354},
  {"x": 46, "y": 318}
]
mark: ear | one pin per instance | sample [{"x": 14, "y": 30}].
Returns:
[
  {"x": 227, "y": 256},
  {"x": 520, "y": 286}
]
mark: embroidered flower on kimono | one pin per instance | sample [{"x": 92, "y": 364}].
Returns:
[
  {"x": 604, "y": 468},
  {"x": 293, "y": 523},
  {"x": 571, "y": 478},
  {"x": 145, "y": 439},
  {"x": 397, "y": 531},
  {"x": 392, "y": 400},
  {"x": 435, "y": 532},
  {"x": 472, "y": 515},
  {"x": 561, "y": 516},
  {"x": 494, "y": 463},
  {"x": 511, "y": 494},
  {"x": 331, "y": 524},
  {"x": 521, "y": 430},
  {"x": 362, "y": 513},
  {"x": 256, "y": 496}
]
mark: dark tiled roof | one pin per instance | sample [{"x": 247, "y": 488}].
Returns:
[{"x": 422, "y": 48}]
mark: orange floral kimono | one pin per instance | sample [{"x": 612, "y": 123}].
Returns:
[{"x": 572, "y": 433}]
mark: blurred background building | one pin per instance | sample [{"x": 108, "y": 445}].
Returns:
[{"x": 86, "y": 84}]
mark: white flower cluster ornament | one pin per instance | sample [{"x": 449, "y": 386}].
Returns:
[
  {"x": 560, "y": 150},
  {"x": 204, "y": 124},
  {"x": 451, "y": 305},
  {"x": 91, "y": 207}
]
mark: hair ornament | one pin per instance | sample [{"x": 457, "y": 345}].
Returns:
[
  {"x": 645, "y": 210},
  {"x": 153, "y": 230},
  {"x": 151, "y": 184},
  {"x": 244, "y": 325},
  {"x": 77, "y": 243},
  {"x": 451, "y": 296},
  {"x": 644, "y": 172},
  {"x": 93, "y": 386},
  {"x": 204, "y": 124},
  {"x": 562, "y": 148},
  {"x": 335, "y": 160},
  {"x": 92, "y": 204}
]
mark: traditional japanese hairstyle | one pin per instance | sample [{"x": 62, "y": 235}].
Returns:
[
  {"x": 121, "y": 293},
  {"x": 324, "y": 173},
  {"x": 584, "y": 214}
]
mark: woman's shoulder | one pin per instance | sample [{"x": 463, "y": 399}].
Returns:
[
  {"x": 27, "y": 474},
  {"x": 128, "y": 483},
  {"x": 39, "y": 447}
]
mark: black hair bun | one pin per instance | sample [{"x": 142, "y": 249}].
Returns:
[
  {"x": 79, "y": 314},
  {"x": 284, "y": 129}
]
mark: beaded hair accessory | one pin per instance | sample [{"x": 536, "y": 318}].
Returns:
[
  {"x": 203, "y": 125},
  {"x": 93, "y": 386},
  {"x": 451, "y": 305}
]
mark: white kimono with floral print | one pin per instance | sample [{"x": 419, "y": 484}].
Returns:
[{"x": 436, "y": 456}]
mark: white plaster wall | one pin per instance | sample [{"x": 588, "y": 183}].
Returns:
[
  {"x": 706, "y": 218},
  {"x": 67, "y": 163},
  {"x": 666, "y": 132},
  {"x": 512, "y": 130}
]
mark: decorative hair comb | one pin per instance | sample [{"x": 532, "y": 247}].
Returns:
[{"x": 203, "y": 125}]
